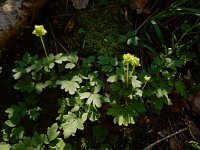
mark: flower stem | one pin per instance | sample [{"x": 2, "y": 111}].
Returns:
[
  {"x": 127, "y": 75},
  {"x": 132, "y": 70},
  {"x": 144, "y": 85},
  {"x": 45, "y": 51}
]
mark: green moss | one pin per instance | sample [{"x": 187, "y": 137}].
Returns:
[{"x": 98, "y": 32}]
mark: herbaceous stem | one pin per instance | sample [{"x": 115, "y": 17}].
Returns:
[{"x": 43, "y": 46}]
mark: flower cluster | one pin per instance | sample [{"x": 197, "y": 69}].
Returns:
[
  {"x": 39, "y": 30},
  {"x": 131, "y": 59}
]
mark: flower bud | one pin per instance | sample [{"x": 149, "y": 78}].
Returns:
[{"x": 147, "y": 78}]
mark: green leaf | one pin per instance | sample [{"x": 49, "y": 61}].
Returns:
[
  {"x": 37, "y": 140},
  {"x": 123, "y": 115},
  {"x": 95, "y": 99},
  {"x": 135, "y": 83},
  {"x": 122, "y": 38},
  {"x": 15, "y": 113},
  {"x": 70, "y": 124},
  {"x": 158, "y": 32},
  {"x": 11, "y": 123},
  {"x": 112, "y": 78},
  {"x": 133, "y": 41},
  {"x": 179, "y": 63},
  {"x": 114, "y": 110},
  {"x": 18, "y": 73},
  {"x": 26, "y": 59},
  {"x": 61, "y": 59},
  {"x": 84, "y": 95},
  {"x": 72, "y": 57},
  {"x": 52, "y": 132},
  {"x": 139, "y": 92},
  {"x": 103, "y": 60},
  {"x": 93, "y": 115},
  {"x": 34, "y": 113},
  {"x": 26, "y": 144},
  {"x": 51, "y": 65},
  {"x": 70, "y": 65},
  {"x": 87, "y": 62},
  {"x": 5, "y": 135},
  {"x": 157, "y": 103},
  {"x": 132, "y": 33},
  {"x": 69, "y": 147},
  {"x": 180, "y": 88},
  {"x": 107, "y": 68},
  {"x": 167, "y": 100},
  {"x": 17, "y": 132},
  {"x": 69, "y": 86},
  {"x": 39, "y": 87},
  {"x": 57, "y": 56},
  {"x": 124, "y": 119},
  {"x": 30, "y": 68},
  {"x": 138, "y": 106},
  {"x": 4, "y": 146},
  {"x": 160, "y": 92},
  {"x": 51, "y": 57},
  {"x": 121, "y": 119},
  {"x": 24, "y": 86},
  {"x": 77, "y": 79},
  {"x": 84, "y": 116},
  {"x": 76, "y": 108},
  {"x": 60, "y": 145}
]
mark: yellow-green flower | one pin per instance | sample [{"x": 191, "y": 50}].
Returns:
[
  {"x": 147, "y": 78},
  {"x": 39, "y": 30},
  {"x": 127, "y": 58},
  {"x": 135, "y": 62},
  {"x": 131, "y": 59}
]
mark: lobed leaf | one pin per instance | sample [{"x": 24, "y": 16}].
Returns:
[{"x": 52, "y": 132}]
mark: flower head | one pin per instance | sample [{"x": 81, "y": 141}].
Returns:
[
  {"x": 39, "y": 30},
  {"x": 147, "y": 78},
  {"x": 135, "y": 62},
  {"x": 131, "y": 59}
]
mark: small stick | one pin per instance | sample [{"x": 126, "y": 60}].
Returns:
[
  {"x": 169, "y": 136},
  {"x": 172, "y": 130},
  {"x": 62, "y": 47},
  {"x": 54, "y": 38}
]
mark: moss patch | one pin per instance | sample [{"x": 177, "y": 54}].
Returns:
[{"x": 98, "y": 32}]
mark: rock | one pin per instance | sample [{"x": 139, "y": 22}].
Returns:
[
  {"x": 15, "y": 15},
  {"x": 194, "y": 100}
]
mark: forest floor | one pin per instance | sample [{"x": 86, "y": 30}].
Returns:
[{"x": 96, "y": 31}]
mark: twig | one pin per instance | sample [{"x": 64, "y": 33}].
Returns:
[
  {"x": 172, "y": 130},
  {"x": 62, "y": 47},
  {"x": 169, "y": 136},
  {"x": 54, "y": 41},
  {"x": 54, "y": 38}
]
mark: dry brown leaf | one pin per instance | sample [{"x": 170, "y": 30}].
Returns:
[
  {"x": 194, "y": 99},
  {"x": 80, "y": 4},
  {"x": 140, "y": 6},
  {"x": 70, "y": 25}
]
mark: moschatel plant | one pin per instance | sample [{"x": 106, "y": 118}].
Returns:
[{"x": 87, "y": 86}]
